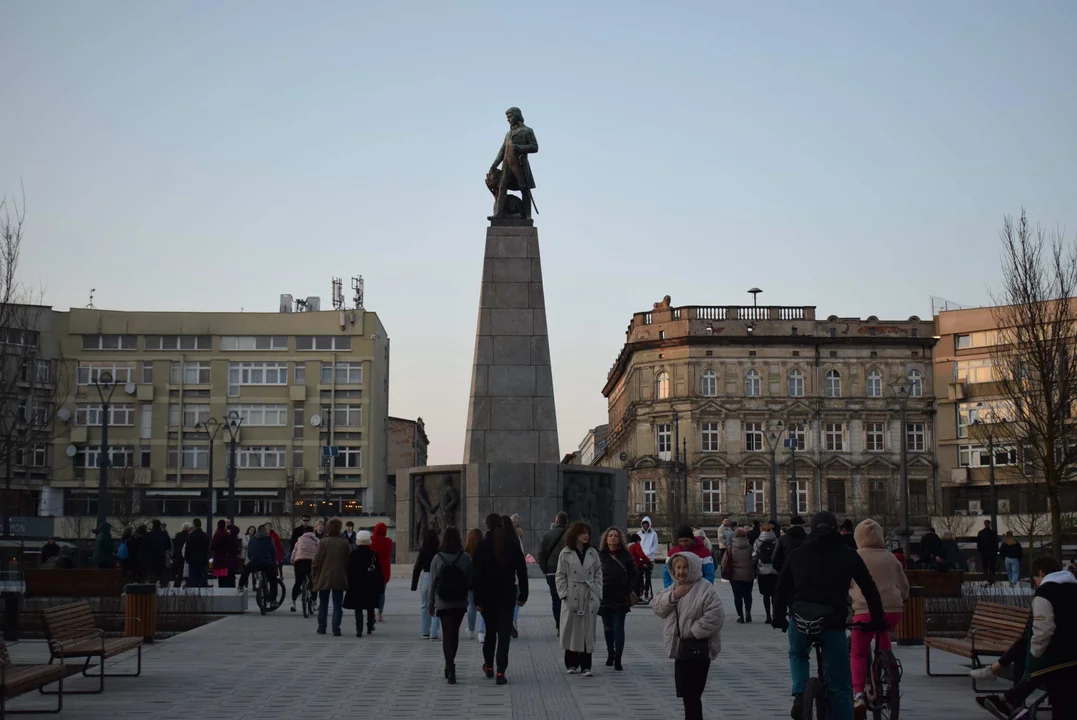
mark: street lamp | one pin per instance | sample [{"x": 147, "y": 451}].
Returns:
[
  {"x": 106, "y": 387},
  {"x": 793, "y": 443},
  {"x": 210, "y": 427},
  {"x": 901, "y": 392},
  {"x": 774, "y": 438},
  {"x": 232, "y": 423},
  {"x": 988, "y": 432}
]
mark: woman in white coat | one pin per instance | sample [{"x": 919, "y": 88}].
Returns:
[{"x": 579, "y": 585}]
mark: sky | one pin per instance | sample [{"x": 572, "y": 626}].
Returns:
[{"x": 859, "y": 157}]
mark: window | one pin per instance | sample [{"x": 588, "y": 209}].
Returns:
[
  {"x": 753, "y": 436},
  {"x": 663, "y": 441},
  {"x": 650, "y": 497},
  {"x": 147, "y": 373},
  {"x": 974, "y": 371},
  {"x": 300, "y": 373},
  {"x": 752, "y": 383},
  {"x": 192, "y": 456},
  {"x": 11, "y": 336},
  {"x": 709, "y": 387},
  {"x": 914, "y": 436},
  {"x": 832, "y": 384},
  {"x": 798, "y": 434},
  {"x": 976, "y": 456},
  {"x": 661, "y": 386},
  {"x": 259, "y": 457},
  {"x": 709, "y": 435},
  {"x": 346, "y": 373},
  {"x": 297, "y": 423},
  {"x": 145, "y": 458},
  {"x": 754, "y": 496},
  {"x": 978, "y": 339},
  {"x": 878, "y": 498},
  {"x": 834, "y": 437},
  {"x": 261, "y": 415},
  {"x": 190, "y": 415},
  {"x": 90, "y": 373},
  {"x": 189, "y": 373},
  {"x": 36, "y": 456},
  {"x": 961, "y": 342},
  {"x": 255, "y": 373},
  {"x": 874, "y": 436},
  {"x": 323, "y": 342},
  {"x": 34, "y": 410},
  {"x": 36, "y": 371},
  {"x": 146, "y": 426},
  {"x": 254, "y": 342},
  {"x": 916, "y": 383},
  {"x": 349, "y": 457},
  {"x": 835, "y": 496},
  {"x": 796, "y": 383},
  {"x": 91, "y": 414},
  {"x": 799, "y": 496},
  {"x": 875, "y": 384},
  {"x": 711, "y": 495},
  {"x": 179, "y": 342},
  {"x": 89, "y": 456},
  {"x": 346, "y": 415},
  {"x": 988, "y": 411},
  {"x": 110, "y": 342}
]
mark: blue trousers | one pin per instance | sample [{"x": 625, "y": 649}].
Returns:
[
  {"x": 839, "y": 676},
  {"x": 473, "y": 615},
  {"x": 613, "y": 626},
  {"x": 555, "y": 599},
  {"x": 323, "y": 608},
  {"x": 428, "y": 625},
  {"x": 1013, "y": 569}
]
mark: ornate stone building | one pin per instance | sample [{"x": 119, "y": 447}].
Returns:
[{"x": 702, "y": 401}]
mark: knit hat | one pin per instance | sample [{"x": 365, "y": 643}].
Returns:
[
  {"x": 362, "y": 537},
  {"x": 824, "y": 518},
  {"x": 684, "y": 531}
]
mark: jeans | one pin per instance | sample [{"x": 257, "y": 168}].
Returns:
[
  {"x": 1013, "y": 569},
  {"x": 323, "y": 608},
  {"x": 690, "y": 678},
  {"x": 428, "y": 625},
  {"x": 555, "y": 599},
  {"x": 498, "y": 624},
  {"x": 613, "y": 625},
  {"x": 835, "y": 665},
  {"x": 381, "y": 603},
  {"x": 450, "y": 635},
  {"x": 860, "y": 647},
  {"x": 742, "y": 596},
  {"x": 302, "y": 572},
  {"x": 473, "y": 616}
]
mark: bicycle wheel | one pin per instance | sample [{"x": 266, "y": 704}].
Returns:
[
  {"x": 886, "y": 677},
  {"x": 279, "y": 592},
  {"x": 259, "y": 597},
  {"x": 815, "y": 704},
  {"x": 307, "y": 609}
]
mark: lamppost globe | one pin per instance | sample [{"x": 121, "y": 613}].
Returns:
[{"x": 104, "y": 379}]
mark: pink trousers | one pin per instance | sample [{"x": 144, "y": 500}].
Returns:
[{"x": 860, "y": 651}]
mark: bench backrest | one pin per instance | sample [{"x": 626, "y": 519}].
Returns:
[
  {"x": 999, "y": 624},
  {"x": 68, "y": 622},
  {"x": 75, "y": 583}
]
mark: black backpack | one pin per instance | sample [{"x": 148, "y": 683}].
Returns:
[
  {"x": 452, "y": 582},
  {"x": 766, "y": 551}
]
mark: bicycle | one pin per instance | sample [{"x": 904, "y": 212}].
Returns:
[
  {"x": 882, "y": 691},
  {"x": 307, "y": 596},
  {"x": 266, "y": 602}
]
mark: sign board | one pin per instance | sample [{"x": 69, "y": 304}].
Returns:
[
  {"x": 31, "y": 527},
  {"x": 330, "y": 451},
  {"x": 790, "y": 444}
]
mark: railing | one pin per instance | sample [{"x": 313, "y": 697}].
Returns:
[{"x": 710, "y": 313}]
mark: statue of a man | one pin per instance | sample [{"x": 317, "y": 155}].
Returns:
[
  {"x": 450, "y": 499},
  {"x": 424, "y": 511},
  {"x": 515, "y": 169}
]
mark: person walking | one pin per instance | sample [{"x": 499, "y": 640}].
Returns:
[
  {"x": 618, "y": 582},
  {"x": 447, "y": 595},
  {"x": 319, "y": 529},
  {"x": 949, "y": 557},
  {"x": 755, "y": 532},
  {"x": 579, "y": 583},
  {"x": 644, "y": 568},
  {"x": 930, "y": 549},
  {"x": 420, "y": 580},
  {"x": 103, "y": 557},
  {"x": 987, "y": 547},
  {"x": 1010, "y": 551},
  {"x": 740, "y": 569},
  {"x": 474, "y": 619},
  {"x": 365, "y": 582},
  {"x": 512, "y": 529},
  {"x": 688, "y": 542},
  {"x": 235, "y": 554},
  {"x": 157, "y": 545},
  {"x": 648, "y": 538},
  {"x": 196, "y": 553},
  {"x": 693, "y": 615},
  {"x": 723, "y": 541},
  {"x": 382, "y": 546},
  {"x": 497, "y": 567},
  {"x": 553, "y": 542},
  {"x": 349, "y": 533},
  {"x": 790, "y": 540},
  {"x": 179, "y": 546},
  {"x": 330, "y": 571},
  {"x": 303, "y": 552},
  {"x": 144, "y": 555},
  {"x": 763, "y": 550}
]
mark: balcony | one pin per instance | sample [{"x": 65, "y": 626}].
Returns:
[{"x": 959, "y": 476}]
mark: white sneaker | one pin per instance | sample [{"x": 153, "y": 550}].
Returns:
[
  {"x": 572, "y": 671},
  {"x": 470, "y": 634},
  {"x": 983, "y": 674},
  {"x": 588, "y": 673},
  {"x": 482, "y": 637}
]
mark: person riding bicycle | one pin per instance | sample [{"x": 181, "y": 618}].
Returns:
[
  {"x": 262, "y": 557},
  {"x": 302, "y": 557},
  {"x": 814, "y": 586}
]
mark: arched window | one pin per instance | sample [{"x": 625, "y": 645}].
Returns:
[
  {"x": 916, "y": 383},
  {"x": 832, "y": 384},
  {"x": 661, "y": 386},
  {"x": 752, "y": 384},
  {"x": 875, "y": 384},
  {"x": 709, "y": 386},
  {"x": 796, "y": 383}
]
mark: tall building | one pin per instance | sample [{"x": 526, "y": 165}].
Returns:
[
  {"x": 702, "y": 400},
  {"x": 593, "y": 446},
  {"x": 307, "y": 390}
]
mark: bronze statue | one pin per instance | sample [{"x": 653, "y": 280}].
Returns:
[
  {"x": 424, "y": 512},
  {"x": 515, "y": 173},
  {"x": 450, "y": 500}
]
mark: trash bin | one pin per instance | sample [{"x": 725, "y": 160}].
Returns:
[
  {"x": 140, "y": 611},
  {"x": 910, "y": 631},
  {"x": 12, "y": 606}
]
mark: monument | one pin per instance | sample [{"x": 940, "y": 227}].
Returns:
[{"x": 511, "y": 458}]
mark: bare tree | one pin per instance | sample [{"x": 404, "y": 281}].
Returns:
[
  {"x": 946, "y": 516},
  {"x": 1034, "y": 368},
  {"x": 125, "y": 498}
]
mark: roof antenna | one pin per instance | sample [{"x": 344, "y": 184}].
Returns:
[{"x": 91, "y": 306}]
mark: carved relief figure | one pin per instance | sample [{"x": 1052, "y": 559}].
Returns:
[
  {"x": 450, "y": 501},
  {"x": 424, "y": 511}
]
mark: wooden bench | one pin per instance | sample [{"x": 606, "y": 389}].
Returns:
[
  {"x": 937, "y": 584},
  {"x": 19, "y": 679},
  {"x": 994, "y": 628},
  {"x": 77, "y": 583},
  {"x": 72, "y": 633}
]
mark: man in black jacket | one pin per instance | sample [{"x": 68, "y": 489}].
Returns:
[
  {"x": 790, "y": 541},
  {"x": 157, "y": 544},
  {"x": 930, "y": 548},
  {"x": 196, "y": 553},
  {"x": 553, "y": 542},
  {"x": 303, "y": 528},
  {"x": 499, "y": 582},
  {"x": 987, "y": 546},
  {"x": 814, "y": 585},
  {"x": 178, "y": 544},
  {"x": 263, "y": 558}
]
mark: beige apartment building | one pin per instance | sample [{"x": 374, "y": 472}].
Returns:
[
  {"x": 307, "y": 392},
  {"x": 697, "y": 393}
]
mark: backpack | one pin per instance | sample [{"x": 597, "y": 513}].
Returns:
[
  {"x": 766, "y": 551},
  {"x": 452, "y": 582},
  {"x": 122, "y": 552}
]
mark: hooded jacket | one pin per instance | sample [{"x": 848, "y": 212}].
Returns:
[
  {"x": 885, "y": 570},
  {"x": 794, "y": 537},
  {"x": 383, "y": 548},
  {"x": 765, "y": 568},
  {"x": 305, "y": 547},
  {"x": 697, "y": 615},
  {"x": 102, "y": 549},
  {"x": 700, "y": 551},
  {"x": 260, "y": 550},
  {"x": 1054, "y": 623},
  {"x": 739, "y": 559},
  {"x": 648, "y": 539}
]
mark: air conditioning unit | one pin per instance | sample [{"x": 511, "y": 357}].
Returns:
[
  {"x": 1004, "y": 506},
  {"x": 286, "y": 301},
  {"x": 975, "y": 508},
  {"x": 314, "y": 304}
]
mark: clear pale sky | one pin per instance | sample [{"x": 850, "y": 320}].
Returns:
[{"x": 854, "y": 156}]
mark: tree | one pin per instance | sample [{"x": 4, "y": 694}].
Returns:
[
  {"x": 1034, "y": 368},
  {"x": 945, "y": 515},
  {"x": 125, "y": 498}
]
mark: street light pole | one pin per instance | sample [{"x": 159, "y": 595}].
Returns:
[
  {"x": 210, "y": 427},
  {"x": 232, "y": 425},
  {"x": 682, "y": 504},
  {"x": 775, "y": 438},
  {"x": 106, "y": 386},
  {"x": 901, "y": 392}
]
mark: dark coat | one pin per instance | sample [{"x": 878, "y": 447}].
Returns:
[
  {"x": 618, "y": 580},
  {"x": 787, "y": 543},
  {"x": 260, "y": 550},
  {"x": 1010, "y": 551},
  {"x": 422, "y": 564},
  {"x": 987, "y": 542},
  {"x": 223, "y": 551},
  {"x": 156, "y": 545},
  {"x": 553, "y": 542},
  {"x": 102, "y": 550},
  {"x": 48, "y": 551},
  {"x": 520, "y": 168},
  {"x": 196, "y": 550},
  {"x": 930, "y": 546},
  {"x": 179, "y": 542},
  {"x": 364, "y": 589},
  {"x": 495, "y": 583}
]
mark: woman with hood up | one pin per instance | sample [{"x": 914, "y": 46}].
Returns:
[
  {"x": 382, "y": 546},
  {"x": 692, "y": 610}
]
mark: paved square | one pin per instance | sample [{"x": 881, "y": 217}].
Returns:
[{"x": 250, "y": 666}]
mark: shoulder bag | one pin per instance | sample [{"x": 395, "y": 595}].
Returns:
[{"x": 691, "y": 649}]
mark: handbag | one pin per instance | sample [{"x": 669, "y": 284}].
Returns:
[{"x": 691, "y": 649}]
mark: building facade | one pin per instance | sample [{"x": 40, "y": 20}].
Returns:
[
  {"x": 408, "y": 444},
  {"x": 704, "y": 400},
  {"x": 593, "y": 446},
  {"x": 307, "y": 393}
]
